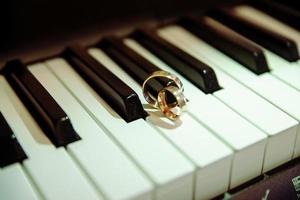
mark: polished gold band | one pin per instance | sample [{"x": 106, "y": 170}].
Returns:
[{"x": 170, "y": 110}]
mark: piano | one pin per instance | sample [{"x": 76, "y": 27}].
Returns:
[{"x": 74, "y": 123}]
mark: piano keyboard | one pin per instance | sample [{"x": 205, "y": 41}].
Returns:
[{"x": 76, "y": 126}]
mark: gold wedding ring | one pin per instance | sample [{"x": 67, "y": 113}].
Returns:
[{"x": 172, "y": 110}]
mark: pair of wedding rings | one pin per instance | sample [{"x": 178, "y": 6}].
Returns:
[{"x": 173, "y": 108}]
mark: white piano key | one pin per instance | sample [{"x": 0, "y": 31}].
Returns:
[
  {"x": 211, "y": 156},
  {"x": 260, "y": 18},
  {"x": 226, "y": 124},
  {"x": 275, "y": 123},
  {"x": 102, "y": 160},
  {"x": 288, "y": 72},
  {"x": 164, "y": 165},
  {"x": 14, "y": 184},
  {"x": 272, "y": 89},
  {"x": 51, "y": 169}
]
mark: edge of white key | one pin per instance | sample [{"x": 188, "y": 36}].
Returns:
[
  {"x": 14, "y": 184},
  {"x": 267, "y": 21},
  {"x": 62, "y": 180},
  {"x": 128, "y": 138},
  {"x": 280, "y": 127},
  {"x": 191, "y": 143},
  {"x": 254, "y": 142},
  {"x": 262, "y": 84},
  {"x": 119, "y": 178},
  {"x": 219, "y": 159},
  {"x": 256, "y": 139}
]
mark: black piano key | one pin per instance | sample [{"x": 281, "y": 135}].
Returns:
[
  {"x": 279, "y": 44},
  {"x": 291, "y": 4},
  {"x": 280, "y": 11},
  {"x": 196, "y": 71},
  {"x": 49, "y": 115},
  {"x": 241, "y": 50},
  {"x": 10, "y": 149},
  {"x": 134, "y": 64},
  {"x": 114, "y": 91}
]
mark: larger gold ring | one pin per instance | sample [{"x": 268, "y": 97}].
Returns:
[{"x": 174, "y": 87}]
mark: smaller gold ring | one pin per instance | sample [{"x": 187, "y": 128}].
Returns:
[
  {"x": 172, "y": 110},
  {"x": 163, "y": 74}
]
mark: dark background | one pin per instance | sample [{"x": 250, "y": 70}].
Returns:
[{"x": 35, "y": 25}]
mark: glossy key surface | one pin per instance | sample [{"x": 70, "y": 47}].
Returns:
[
  {"x": 197, "y": 72},
  {"x": 267, "y": 86},
  {"x": 250, "y": 55},
  {"x": 11, "y": 151},
  {"x": 249, "y": 105},
  {"x": 50, "y": 116},
  {"x": 121, "y": 96},
  {"x": 223, "y": 122},
  {"x": 113, "y": 174},
  {"x": 279, "y": 44},
  {"x": 133, "y": 63},
  {"x": 149, "y": 151},
  {"x": 282, "y": 12},
  {"x": 51, "y": 170},
  {"x": 265, "y": 20},
  {"x": 189, "y": 136}
]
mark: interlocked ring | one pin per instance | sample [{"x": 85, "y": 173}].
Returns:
[
  {"x": 163, "y": 74},
  {"x": 171, "y": 111}
]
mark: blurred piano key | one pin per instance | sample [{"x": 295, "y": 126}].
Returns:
[
  {"x": 14, "y": 184},
  {"x": 251, "y": 56},
  {"x": 277, "y": 43},
  {"x": 288, "y": 72},
  {"x": 284, "y": 13},
  {"x": 283, "y": 70},
  {"x": 291, "y": 4},
  {"x": 11, "y": 150},
  {"x": 262, "y": 19}
]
